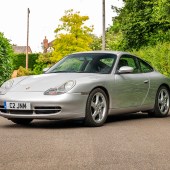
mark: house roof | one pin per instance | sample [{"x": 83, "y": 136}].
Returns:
[
  {"x": 50, "y": 44},
  {"x": 21, "y": 49}
]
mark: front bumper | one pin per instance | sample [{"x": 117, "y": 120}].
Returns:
[{"x": 65, "y": 106}]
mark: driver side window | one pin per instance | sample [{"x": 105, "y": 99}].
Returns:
[{"x": 127, "y": 60}]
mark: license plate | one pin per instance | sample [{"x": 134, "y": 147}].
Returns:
[{"x": 17, "y": 106}]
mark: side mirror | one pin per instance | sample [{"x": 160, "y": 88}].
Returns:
[
  {"x": 45, "y": 69},
  {"x": 125, "y": 69}
]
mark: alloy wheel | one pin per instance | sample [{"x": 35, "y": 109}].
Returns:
[
  {"x": 98, "y": 107},
  {"x": 163, "y": 101}
]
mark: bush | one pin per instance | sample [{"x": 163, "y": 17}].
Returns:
[
  {"x": 6, "y": 54},
  {"x": 23, "y": 72},
  {"x": 158, "y": 56}
]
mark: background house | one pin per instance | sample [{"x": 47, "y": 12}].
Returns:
[{"x": 21, "y": 49}]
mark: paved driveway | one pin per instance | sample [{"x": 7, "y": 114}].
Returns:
[{"x": 129, "y": 142}]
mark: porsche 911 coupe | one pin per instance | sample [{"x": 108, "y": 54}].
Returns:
[{"x": 88, "y": 85}]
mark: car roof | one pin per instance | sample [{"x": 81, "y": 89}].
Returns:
[{"x": 104, "y": 52}]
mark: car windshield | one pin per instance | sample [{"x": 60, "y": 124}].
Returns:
[{"x": 101, "y": 63}]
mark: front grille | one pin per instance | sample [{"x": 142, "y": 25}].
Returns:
[
  {"x": 2, "y": 109},
  {"x": 47, "y": 110},
  {"x": 37, "y": 110},
  {"x": 21, "y": 112}
]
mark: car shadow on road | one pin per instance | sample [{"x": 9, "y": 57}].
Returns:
[
  {"x": 52, "y": 124},
  {"x": 48, "y": 124}
]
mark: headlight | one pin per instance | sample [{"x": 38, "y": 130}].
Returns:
[
  {"x": 6, "y": 86},
  {"x": 62, "y": 89}
]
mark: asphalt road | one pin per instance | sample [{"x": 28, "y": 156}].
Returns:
[{"x": 129, "y": 142}]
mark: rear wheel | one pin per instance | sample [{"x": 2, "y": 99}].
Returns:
[
  {"x": 21, "y": 121},
  {"x": 162, "y": 103},
  {"x": 96, "y": 108}
]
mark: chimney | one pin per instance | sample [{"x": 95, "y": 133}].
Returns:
[{"x": 45, "y": 44}]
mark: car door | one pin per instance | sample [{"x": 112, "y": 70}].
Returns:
[{"x": 130, "y": 88}]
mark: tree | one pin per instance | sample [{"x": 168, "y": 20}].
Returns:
[
  {"x": 42, "y": 62},
  {"x": 114, "y": 39},
  {"x": 6, "y": 53},
  {"x": 71, "y": 36},
  {"x": 114, "y": 34},
  {"x": 96, "y": 43},
  {"x": 161, "y": 17},
  {"x": 143, "y": 23}
]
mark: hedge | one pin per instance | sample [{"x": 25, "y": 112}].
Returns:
[
  {"x": 20, "y": 60},
  {"x": 6, "y": 54}
]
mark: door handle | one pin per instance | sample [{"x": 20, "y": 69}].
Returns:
[{"x": 146, "y": 81}]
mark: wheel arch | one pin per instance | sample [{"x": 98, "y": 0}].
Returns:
[
  {"x": 166, "y": 85},
  {"x": 156, "y": 112}
]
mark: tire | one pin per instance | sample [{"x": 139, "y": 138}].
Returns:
[
  {"x": 21, "y": 121},
  {"x": 162, "y": 103},
  {"x": 96, "y": 108}
]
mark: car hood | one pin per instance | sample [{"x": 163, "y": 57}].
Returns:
[{"x": 41, "y": 83}]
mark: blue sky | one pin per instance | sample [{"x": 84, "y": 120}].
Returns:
[{"x": 44, "y": 18}]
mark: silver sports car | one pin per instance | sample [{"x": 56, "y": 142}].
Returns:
[{"x": 88, "y": 85}]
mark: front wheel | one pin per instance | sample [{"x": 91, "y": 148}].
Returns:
[
  {"x": 96, "y": 108},
  {"x": 21, "y": 121},
  {"x": 162, "y": 103}
]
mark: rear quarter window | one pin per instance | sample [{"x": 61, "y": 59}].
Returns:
[{"x": 145, "y": 67}]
